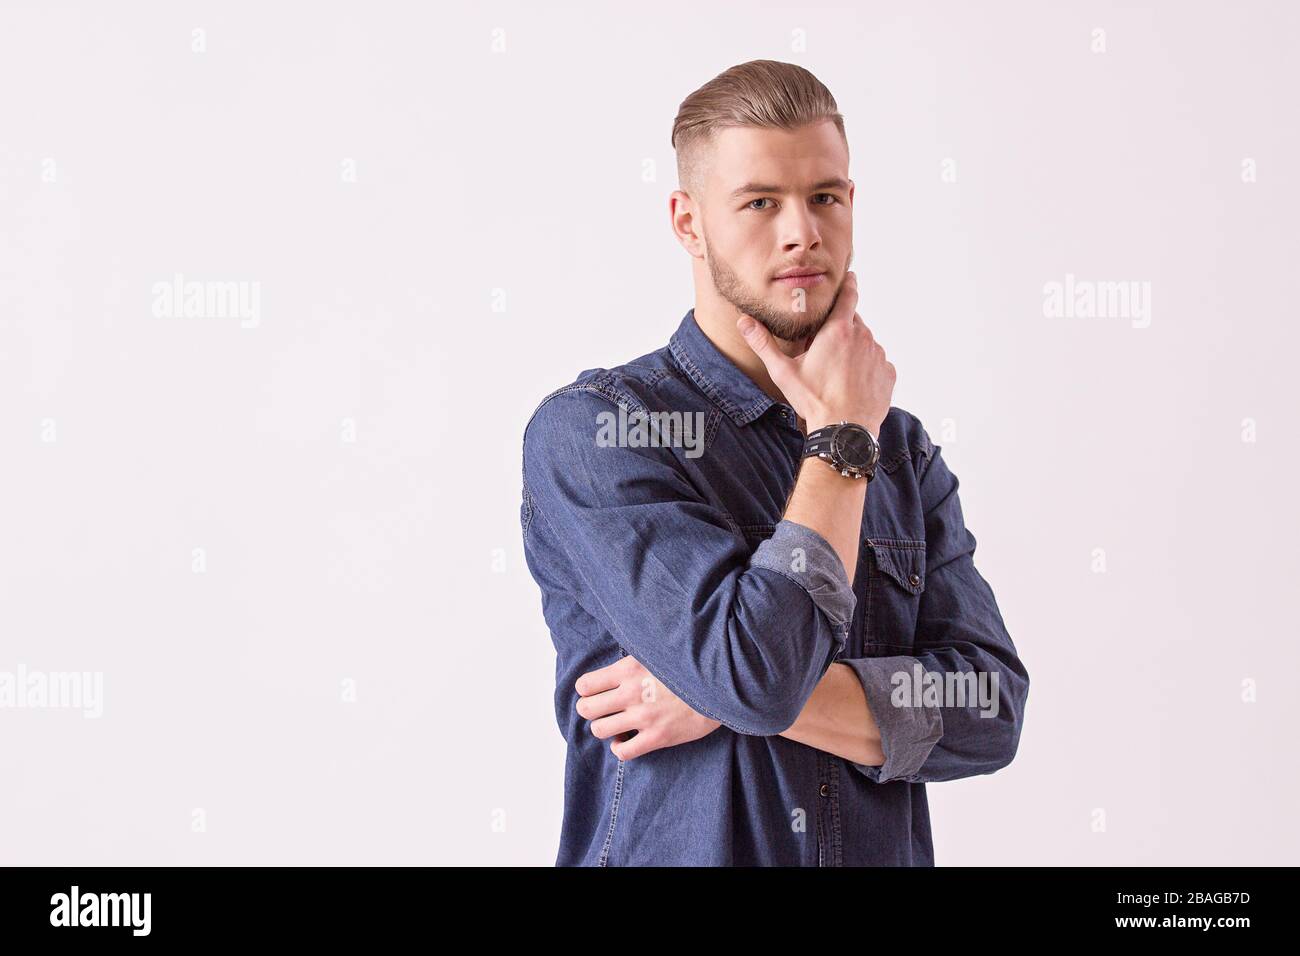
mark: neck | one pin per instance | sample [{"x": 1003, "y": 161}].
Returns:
[{"x": 717, "y": 320}]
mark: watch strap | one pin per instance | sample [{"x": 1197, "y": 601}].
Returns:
[{"x": 820, "y": 443}]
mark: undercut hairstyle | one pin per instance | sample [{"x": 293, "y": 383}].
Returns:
[{"x": 763, "y": 93}]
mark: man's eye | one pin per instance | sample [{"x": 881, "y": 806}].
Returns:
[{"x": 831, "y": 196}]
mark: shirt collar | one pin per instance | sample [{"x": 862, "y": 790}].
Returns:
[{"x": 717, "y": 376}]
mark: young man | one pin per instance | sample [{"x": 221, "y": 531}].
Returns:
[{"x": 769, "y": 628}]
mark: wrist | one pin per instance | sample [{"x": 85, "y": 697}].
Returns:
[
  {"x": 822, "y": 420},
  {"x": 848, "y": 447},
  {"x": 823, "y": 417}
]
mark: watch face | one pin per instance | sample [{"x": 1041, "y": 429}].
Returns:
[{"x": 854, "y": 446}]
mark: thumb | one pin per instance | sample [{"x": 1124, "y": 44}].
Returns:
[{"x": 760, "y": 340}]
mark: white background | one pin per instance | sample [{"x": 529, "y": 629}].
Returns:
[{"x": 500, "y": 236}]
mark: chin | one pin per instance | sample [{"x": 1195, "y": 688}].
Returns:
[{"x": 798, "y": 325}]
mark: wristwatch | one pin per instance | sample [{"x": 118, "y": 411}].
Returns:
[{"x": 848, "y": 447}]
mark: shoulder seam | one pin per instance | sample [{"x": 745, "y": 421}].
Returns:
[{"x": 604, "y": 384}]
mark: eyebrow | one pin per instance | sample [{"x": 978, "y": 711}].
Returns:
[{"x": 825, "y": 184}]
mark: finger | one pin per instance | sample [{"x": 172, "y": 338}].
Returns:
[
  {"x": 760, "y": 340},
  {"x": 641, "y": 744},
  {"x": 846, "y": 302},
  {"x": 593, "y": 682},
  {"x": 630, "y": 669},
  {"x": 600, "y": 705},
  {"x": 614, "y": 724}
]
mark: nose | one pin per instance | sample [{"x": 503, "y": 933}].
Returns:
[{"x": 799, "y": 229}]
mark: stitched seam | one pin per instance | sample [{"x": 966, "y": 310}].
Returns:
[
  {"x": 891, "y": 465},
  {"x": 898, "y": 543},
  {"x": 837, "y": 840},
  {"x": 711, "y": 428},
  {"x": 872, "y": 573},
  {"x": 601, "y": 386},
  {"x": 740, "y": 416},
  {"x": 654, "y": 378},
  {"x": 701, "y": 382},
  {"x": 613, "y": 815},
  {"x": 528, "y": 510}
]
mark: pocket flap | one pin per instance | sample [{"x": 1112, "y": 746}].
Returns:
[{"x": 902, "y": 560}]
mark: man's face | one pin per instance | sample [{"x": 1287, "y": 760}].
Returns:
[{"x": 775, "y": 201}]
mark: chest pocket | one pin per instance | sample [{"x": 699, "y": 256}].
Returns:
[{"x": 889, "y": 597}]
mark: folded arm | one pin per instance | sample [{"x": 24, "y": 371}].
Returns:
[
  {"x": 742, "y": 638},
  {"x": 872, "y": 711},
  {"x": 953, "y": 708}
]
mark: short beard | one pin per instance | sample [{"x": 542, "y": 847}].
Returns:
[{"x": 785, "y": 324}]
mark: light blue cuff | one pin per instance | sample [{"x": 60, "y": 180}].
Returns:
[
  {"x": 808, "y": 559},
  {"x": 908, "y": 731}
]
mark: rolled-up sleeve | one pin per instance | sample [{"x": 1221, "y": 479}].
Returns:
[
  {"x": 907, "y": 733},
  {"x": 808, "y": 559},
  {"x": 740, "y": 636},
  {"x": 960, "y": 638}
]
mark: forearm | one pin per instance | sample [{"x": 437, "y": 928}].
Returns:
[
  {"x": 831, "y": 505},
  {"x": 837, "y": 720}
]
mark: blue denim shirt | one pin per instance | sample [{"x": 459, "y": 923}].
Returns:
[{"x": 674, "y": 549}]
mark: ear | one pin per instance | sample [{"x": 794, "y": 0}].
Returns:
[{"x": 685, "y": 223}]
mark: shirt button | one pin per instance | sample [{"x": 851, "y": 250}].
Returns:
[
  {"x": 825, "y": 790},
  {"x": 915, "y": 579}
]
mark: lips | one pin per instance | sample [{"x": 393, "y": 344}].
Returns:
[{"x": 800, "y": 278}]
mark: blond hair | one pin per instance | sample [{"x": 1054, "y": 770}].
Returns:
[{"x": 764, "y": 93}]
